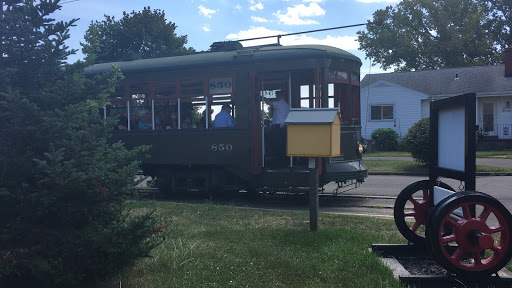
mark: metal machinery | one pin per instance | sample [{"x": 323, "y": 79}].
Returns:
[
  {"x": 467, "y": 232},
  {"x": 241, "y": 157}
]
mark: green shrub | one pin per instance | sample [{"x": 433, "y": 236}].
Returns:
[
  {"x": 417, "y": 141},
  {"x": 386, "y": 139}
]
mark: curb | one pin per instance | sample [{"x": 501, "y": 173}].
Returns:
[
  {"x": 426, "y": 174},
  {"x": 399, "y": 173}
]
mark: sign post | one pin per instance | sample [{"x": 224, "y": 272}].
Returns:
[
  {"x": 313, "y": 193},
  {"x": 313, "y": 133}
]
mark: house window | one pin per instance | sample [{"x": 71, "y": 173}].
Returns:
[{"x": 381, "y": 112}]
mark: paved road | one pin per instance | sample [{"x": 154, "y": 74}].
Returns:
[
  {"x": 491, "y": 162},
  {"x": 376, "y": 196},
  {"x": 379, "y": 193}
]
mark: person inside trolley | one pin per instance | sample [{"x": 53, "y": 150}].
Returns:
[
  {"x": 224, "y": 119},
  {"x": 122, "y": 123},
  {"x": 280, "y": 109},
  {"x": 202, "y": 121},
  {"x": 277, "y": 141}
]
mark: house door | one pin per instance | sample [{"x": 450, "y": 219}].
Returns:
[{"x": 488, "y": 117}]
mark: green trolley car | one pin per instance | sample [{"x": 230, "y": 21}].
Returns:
[{"x": 169, "y": 103}]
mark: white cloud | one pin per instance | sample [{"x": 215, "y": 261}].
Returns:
[
  {"x": 259, "y": 19},
  {"x": 378, "y": 1},
  {"x": 342, "y": 42},
  {"x": 238, "y": 7},
  {"x": 255, "y": 32},
  {"x": 257, "y": 6},
  {"x": 295, "y": 14},
  {"x": 315, "y": 1},
  {"x": 206, "y": 12},
  {"x": 206, "y": 28}
]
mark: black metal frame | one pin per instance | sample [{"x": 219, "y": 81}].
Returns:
[
  {"x": 468, "y": 101},
  {"x": 448, "y": 280}
]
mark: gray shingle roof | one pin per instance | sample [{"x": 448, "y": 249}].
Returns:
[
  {"x": 483, "y": 80},
  {"x": 311, "y": 116}
]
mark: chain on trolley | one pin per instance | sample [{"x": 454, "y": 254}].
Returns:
[{"x": 461, "y": 186}]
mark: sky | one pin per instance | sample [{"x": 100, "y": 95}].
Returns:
[{"x": 208, "y": 21}]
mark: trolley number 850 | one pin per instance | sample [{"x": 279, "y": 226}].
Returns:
[{"x": 221, "y": 147}]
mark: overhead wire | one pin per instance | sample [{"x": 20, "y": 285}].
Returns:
[
  {"x": 304, "y": 32},
  {"x": 69, "y": 1}
]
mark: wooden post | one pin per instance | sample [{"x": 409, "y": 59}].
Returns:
[{"x": 313, "y": 193}]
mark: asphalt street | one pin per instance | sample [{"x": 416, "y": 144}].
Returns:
[{"x": 376, "y": 196}]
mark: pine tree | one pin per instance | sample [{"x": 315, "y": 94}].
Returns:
[{"x": 64, "y": 218}]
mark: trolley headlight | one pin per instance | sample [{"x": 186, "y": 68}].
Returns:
[{"x": 360, "y": 149}]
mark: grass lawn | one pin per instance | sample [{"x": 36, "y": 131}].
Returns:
[
  {"x": 481, "y": 168},
  {"x": 507, "y": 153},
  {"x": 395, "y": 166},
  {"x": 412, "y": 166},
  {"x": 495, "y": 154},
  {"x": 387, "y": 154},
  {"x": 222, "y": 246}
]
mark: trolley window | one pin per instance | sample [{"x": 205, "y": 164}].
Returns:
[{"x": 168, "y": 105}]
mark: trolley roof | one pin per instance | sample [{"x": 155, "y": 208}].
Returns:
[{"x": 255, "y": 54}]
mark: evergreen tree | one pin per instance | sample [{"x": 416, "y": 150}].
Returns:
[
  {"x": 144, "y": 34},
  {"x": 64, "y": 218}
]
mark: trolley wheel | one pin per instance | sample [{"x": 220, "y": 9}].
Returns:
[
  {"x": 411, "y": 223},
  {"x": 252, "y": 193},
  {"x": 164, "y": 183},
  {"x": 473, "y": 247}
]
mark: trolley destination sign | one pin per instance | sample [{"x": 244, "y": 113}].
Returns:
[{"x": 221, "y": 85}]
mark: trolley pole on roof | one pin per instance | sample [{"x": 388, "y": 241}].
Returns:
[{"x": 376, "y": 22}]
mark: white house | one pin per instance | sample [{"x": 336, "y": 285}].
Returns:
[{"x": 398, "y": 100}]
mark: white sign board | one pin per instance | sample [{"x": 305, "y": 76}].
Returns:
[
  {"x": 221, "y": 85},
  {"x": 333, "y": 74},
  {"x": 451, "y": 141}
]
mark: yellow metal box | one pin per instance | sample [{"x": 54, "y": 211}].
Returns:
[{"x": 313, "y": 132}]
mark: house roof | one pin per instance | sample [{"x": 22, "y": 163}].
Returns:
[
  {"x": 482, "y": 80},
  {"x": 312, "y": 116}
]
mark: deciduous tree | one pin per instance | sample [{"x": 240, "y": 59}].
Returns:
[
  {"x": 432, "y": 34},
  {"x": 501, "y": 24},
  {"x": 144, "y": 34}
]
